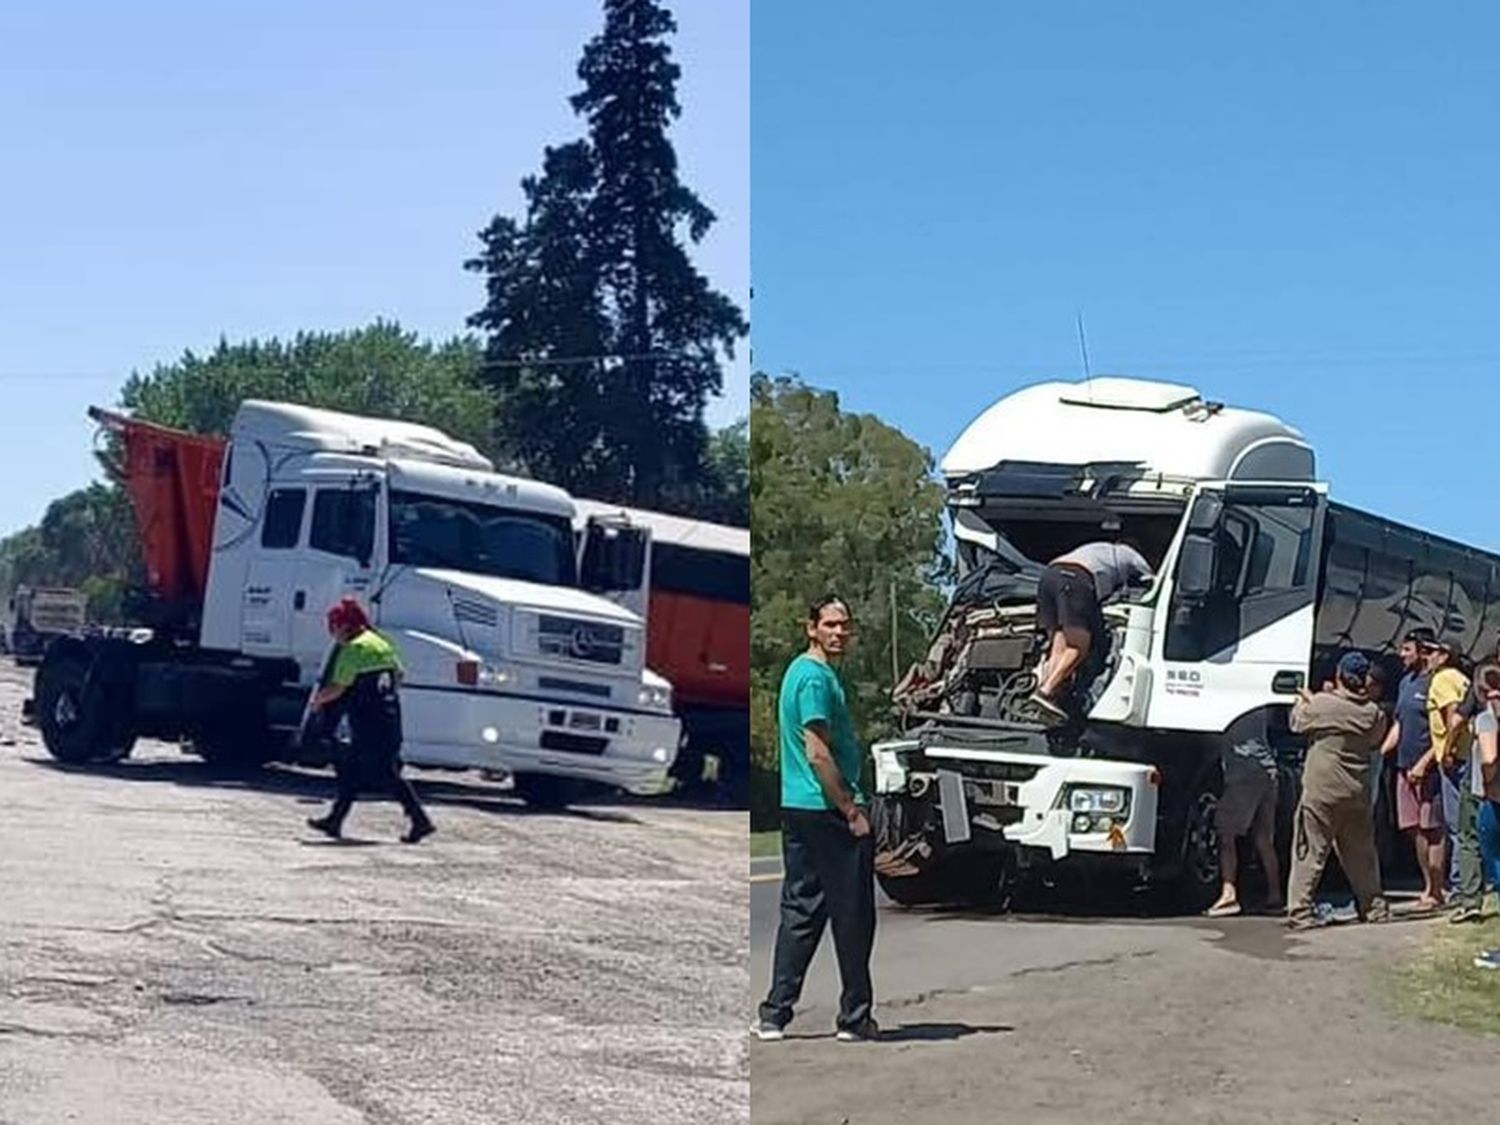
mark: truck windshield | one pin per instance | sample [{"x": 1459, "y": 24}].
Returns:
[{"x": 482, "y": 539}]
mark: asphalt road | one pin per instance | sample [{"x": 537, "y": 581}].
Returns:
[
  {"x": 1069, "y": 1018},
  {"x": 179, "y": 950}
]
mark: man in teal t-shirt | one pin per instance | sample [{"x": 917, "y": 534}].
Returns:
[{"x": 826, "y": 847}]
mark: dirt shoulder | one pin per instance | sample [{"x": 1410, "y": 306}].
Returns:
[{"x": 178, "y": 949}]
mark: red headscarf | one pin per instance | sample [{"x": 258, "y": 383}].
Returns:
[{"x": 349, "y": 615}]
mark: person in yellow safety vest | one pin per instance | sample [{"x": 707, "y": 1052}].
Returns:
[{"x": 363, "y": 683}]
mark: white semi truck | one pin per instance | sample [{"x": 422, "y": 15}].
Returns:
[
  {"x": 1260, "y": 582},
  {"x": 517, "y": 660}
]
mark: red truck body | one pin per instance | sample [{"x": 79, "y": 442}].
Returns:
[{"x": 172, "y": 479}]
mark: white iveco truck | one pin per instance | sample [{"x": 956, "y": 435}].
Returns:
[
  {"x": 517, "y": 660},
  {"x": 1260, "y": 583}
]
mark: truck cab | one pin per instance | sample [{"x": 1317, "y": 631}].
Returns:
[
  {"x": 1226, "y": 507},
  {"x": 517, "y": 660}
]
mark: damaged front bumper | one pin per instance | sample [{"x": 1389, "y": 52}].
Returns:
[{"x": 1047, "y": 807}]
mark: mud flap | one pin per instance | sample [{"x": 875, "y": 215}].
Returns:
[{"x": 955, "y": 806}]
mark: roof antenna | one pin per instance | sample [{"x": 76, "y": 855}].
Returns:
[{"x": 1083, "y": 346}]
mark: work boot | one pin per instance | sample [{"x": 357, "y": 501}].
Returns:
[
  {"x": 326, "y": 825},
  {"x": 418, "y": 832}
]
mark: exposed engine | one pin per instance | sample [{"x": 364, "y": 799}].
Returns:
[{"x": 986, "y": 656}]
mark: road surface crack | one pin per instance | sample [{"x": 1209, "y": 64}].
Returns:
[{"x": 1082, "y": 963}]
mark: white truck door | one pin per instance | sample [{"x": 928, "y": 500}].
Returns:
[
  {"x": 1241, "y": 597},
  {"x": 337, "y": 560},
  {"x": 615, "y": 562},
  {"x": 266, "y": 605}
]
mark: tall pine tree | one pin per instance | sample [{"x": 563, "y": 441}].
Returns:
[{"x": 604, "y": 342}]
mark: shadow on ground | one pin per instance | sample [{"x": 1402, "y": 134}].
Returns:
[
  {"x": 317, "y": 788},
  {"x": 939, "y": 1032}
]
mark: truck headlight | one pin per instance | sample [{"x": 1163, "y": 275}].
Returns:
[
  {"x": 656, "y": 698},
  {"x": 1098, "y": 799},
  {"x": 1097, "y": 808},
  {"x": 495, "y": 676}
]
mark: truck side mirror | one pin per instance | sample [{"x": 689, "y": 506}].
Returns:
[
  {"x": 1207, "y": 511},
  {"x": 614, "y": 557},
  {"x": 1195, "y": 566}
]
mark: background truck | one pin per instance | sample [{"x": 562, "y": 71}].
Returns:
[
  {"x": 697, "y": 610},
  {"x": 38, "y": 616},
  {"x": 517, "y": 662},
  {"x": 1261, "y": 582}
]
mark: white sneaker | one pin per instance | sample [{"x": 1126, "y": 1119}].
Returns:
[
  {"x": 867, "y": 1032},
  {"x": 767, "y": 1032}
]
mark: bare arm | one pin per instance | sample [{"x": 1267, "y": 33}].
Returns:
[
  {"x": 820, "y": 757},
  {"x": 1489, "y": 754},
  {"x": 1392, "y": 738},
  {"x": 1455, "y": 723},
  {"x": 1437, "y": 753},
  {"x": 326, "y": 695}
]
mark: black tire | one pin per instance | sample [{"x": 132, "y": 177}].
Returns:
[
  {"x": 543, "y": 791},
  {"x": 77, "y": 723},
  {"x": 1197, "y": 883}
]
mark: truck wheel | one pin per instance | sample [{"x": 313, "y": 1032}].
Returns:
[
  {"x": 74, "y": 716},
  {"x": 1197, "y": 883},
  {"x": 542, "y": 791}
]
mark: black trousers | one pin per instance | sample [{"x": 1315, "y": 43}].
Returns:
[
  {"x": 827, "y": 876},
  {"x": 377, "y": 770}
]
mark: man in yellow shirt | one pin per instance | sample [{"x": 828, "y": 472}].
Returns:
[{"x": 1446, "y": 693}]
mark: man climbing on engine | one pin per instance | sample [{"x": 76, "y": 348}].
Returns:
[{"x": 1069, "y": 596}]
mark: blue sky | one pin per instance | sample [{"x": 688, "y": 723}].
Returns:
[
  {"x": 176, "y": 171},
  {"x": 1291, "y": 207}
]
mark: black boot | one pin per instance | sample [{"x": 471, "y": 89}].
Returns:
[
  {"x": 419, "y": 830},
  {"x": 326, "y": 825}
]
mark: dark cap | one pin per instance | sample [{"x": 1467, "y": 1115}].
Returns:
[
  {"x": 1421, "y": 636},
  {"x": 1354, "y": 667}
]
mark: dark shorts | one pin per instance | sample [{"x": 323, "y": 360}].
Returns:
[{"x": 1066, "y": 599}]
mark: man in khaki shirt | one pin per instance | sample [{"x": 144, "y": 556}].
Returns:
[{"x": 1333, "y": 813}]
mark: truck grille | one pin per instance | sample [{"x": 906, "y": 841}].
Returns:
[
  {"x": 573, "y": 743},
  {"x": 475, "y": 612},
  {"x": 581, "y": 640}
]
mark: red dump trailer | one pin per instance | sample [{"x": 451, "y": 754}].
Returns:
[
  {"x": 698, "y": 637},
  {"x": 172, "y": 479}
]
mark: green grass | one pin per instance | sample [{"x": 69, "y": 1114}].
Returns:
[
  {"x": 764, "y": 844},
  {"x": 1441, "y": 983}
]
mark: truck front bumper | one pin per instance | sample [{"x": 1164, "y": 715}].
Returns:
[
  {"x": 1030, "y": 802},
  {"x": 457, "y": 729}
]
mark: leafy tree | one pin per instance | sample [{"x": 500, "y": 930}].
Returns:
[
  {"x": 604, "y": 342},
  {"x": 380, "y": 370},
  {"x": 840, "y": 503},
  {"x": 729, "y": 471},
  {"x": 86, "y": 539}
]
